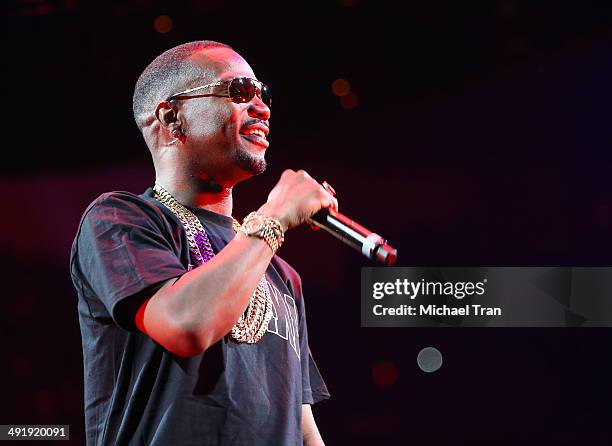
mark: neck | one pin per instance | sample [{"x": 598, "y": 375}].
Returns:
[{"x": 204, "y": 194}]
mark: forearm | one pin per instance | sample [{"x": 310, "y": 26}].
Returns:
[
  {"x": 310, "y": 432},
  {"x": 190, "y": 314}
]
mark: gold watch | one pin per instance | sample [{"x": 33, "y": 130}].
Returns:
[{"x": 264, "y": 227}]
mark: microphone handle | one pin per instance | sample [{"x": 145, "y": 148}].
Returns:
[{"x": 371, "y": 245}]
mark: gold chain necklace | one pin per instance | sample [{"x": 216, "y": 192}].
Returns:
[{"x": 253, "y": 323}]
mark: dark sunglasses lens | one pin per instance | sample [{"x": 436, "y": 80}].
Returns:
[
  {"x": 242, "y": 90},
  {"x": 265, "y": 95}
]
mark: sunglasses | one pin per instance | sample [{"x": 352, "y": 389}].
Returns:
[{"x": 239, "y": 89}]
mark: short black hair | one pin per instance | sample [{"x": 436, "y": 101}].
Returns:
[{"x": 169, "y": 73}]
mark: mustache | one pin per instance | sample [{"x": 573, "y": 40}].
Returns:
[{"x": 256, "y": 121}]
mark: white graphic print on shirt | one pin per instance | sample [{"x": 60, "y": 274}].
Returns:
[{"x": 284, "y": 322}]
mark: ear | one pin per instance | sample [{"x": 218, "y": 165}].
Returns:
[{"x": 167, "y": 115}]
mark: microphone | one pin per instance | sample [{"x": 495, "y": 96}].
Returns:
[{"x": 370, "y": 244}]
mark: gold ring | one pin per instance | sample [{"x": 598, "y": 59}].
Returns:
[{"x": 328, "y": 188}]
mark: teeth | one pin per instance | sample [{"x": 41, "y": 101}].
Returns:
[{"x": 256, "y": 132}]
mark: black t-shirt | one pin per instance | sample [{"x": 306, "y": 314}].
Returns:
[{"x": 138, "y": 393}]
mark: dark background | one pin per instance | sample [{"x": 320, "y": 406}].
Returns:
[{"x": 480, "y": 136}]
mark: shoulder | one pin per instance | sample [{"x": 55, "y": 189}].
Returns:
[
  {"x": 115, "y": 214},
  {"x": 116, "y": 219},
  {"x": 121, "y": 201},
  {"x": 121, "y": 207}
]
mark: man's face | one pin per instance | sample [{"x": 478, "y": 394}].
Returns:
[{"x": 223, "y": 138}]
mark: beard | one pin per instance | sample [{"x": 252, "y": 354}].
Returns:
[{"x": 250, "y": 163}]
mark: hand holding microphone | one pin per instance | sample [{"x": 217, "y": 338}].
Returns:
[
  {"x": 298, "y": 198},
  {"x": 370, "y": 244}
]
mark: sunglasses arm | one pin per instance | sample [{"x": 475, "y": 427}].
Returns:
[{"x": 191, "y": 90}]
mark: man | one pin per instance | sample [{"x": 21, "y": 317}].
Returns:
[{"x": 193, "y": 331}]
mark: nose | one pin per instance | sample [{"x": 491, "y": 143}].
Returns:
[{"x": 257, "y": 109}]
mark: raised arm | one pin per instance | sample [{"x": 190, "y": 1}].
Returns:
[{"x": 189, "y": 314}]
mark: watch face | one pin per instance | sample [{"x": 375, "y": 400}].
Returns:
[{"x": 254, "y": 224}]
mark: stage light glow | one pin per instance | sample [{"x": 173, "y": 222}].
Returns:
[
  {"x": 429, "y": 359},
  {"x": 349, "y": 101},
  {"x": 384, "y": 374},
  {"x": 162, "y": 24},
  {"x": 341, "y": 87}
]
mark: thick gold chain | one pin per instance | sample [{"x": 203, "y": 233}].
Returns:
[{"x": 253, "y": 323}]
